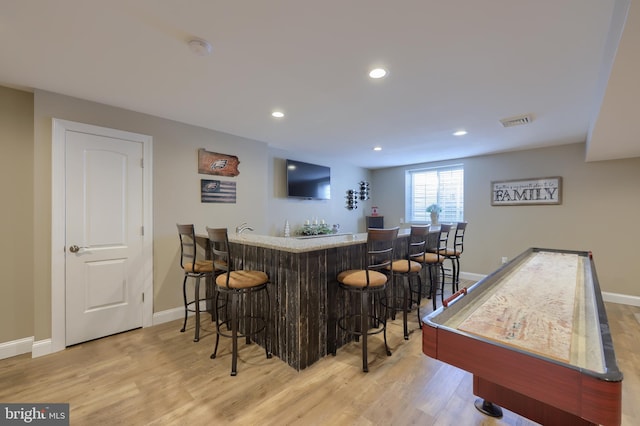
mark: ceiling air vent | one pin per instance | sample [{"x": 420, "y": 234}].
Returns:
[{"x": 516, "y": 121}]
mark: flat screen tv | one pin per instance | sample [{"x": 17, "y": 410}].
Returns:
[{"x": 309, "y": 181}]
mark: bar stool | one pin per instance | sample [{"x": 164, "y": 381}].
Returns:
[
  {"x": 439, "y": 251},
  {"x": 193, "y": 268},
  {"x": 408, "y": 269},
  {"x": 434, "y": 263},
  {"x": 365, "y": 283},
  {"x": 453, "y": 254},
  {"x": 238, "y": 286}
]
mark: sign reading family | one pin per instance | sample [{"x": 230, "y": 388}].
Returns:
[{"x": 527, "y": 191}]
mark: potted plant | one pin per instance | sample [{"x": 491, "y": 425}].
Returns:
[{"x": 434, "y": 210}]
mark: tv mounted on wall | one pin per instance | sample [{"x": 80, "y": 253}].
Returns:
[{"x": 309, "y": 181}]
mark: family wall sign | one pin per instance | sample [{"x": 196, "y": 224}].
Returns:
[{"x": 527, "y": 191}]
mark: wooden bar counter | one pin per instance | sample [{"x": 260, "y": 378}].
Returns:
[{"x": 303, "y": 288}]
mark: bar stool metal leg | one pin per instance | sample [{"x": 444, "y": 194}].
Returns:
[
  {"x": 364, "y": 328},
  {"x": 234, "y": 334}
]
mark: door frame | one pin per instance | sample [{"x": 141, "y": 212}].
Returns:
[{"x": 58, "y": 231}]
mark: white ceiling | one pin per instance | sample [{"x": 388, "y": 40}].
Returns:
[{"x": 452, "y": 64}]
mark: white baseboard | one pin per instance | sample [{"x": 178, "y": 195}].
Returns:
[
  {"x": 175, "y": 313},
  {"x": 15, "y": 347},
  {"x": 168, "y": 315},
  {"x": 44, "y": 347},
  {"x": 41, "y": 347},
  {"x": 623, "y": 299},
  {"x": 470, "y": 276}
]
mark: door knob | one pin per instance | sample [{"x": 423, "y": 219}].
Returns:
[{"x": 74, "y": 249}]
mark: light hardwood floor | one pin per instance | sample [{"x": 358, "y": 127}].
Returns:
[{"x": 159, "y": 376}]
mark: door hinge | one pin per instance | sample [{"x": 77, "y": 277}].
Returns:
[
  {"x": 142, "y": 163},
  {"x": 142, "y": 230},
  {"x": 143, "y": 297}
]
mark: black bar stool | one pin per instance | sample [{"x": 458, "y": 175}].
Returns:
[
  {"x": 434, "y": 263},
  {"x": 453, "y": 254},
  {"x": 238, "y": 287},
  {"x": 408, "y": 268},
  {"x": 368, "y": 283},
  {"x": 441, "y": 251},
  {"x": 193, "y": 268}
]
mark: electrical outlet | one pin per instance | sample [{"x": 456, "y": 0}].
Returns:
[
  {"x": 504, "y": 259},
  {"x": 401, "y": 220}
]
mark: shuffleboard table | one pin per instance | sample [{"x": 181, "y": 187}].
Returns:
[{"x": 535, "y": 336}]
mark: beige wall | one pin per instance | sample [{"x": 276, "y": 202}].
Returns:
[
  {"x": 176, "y": 198},
  {"x": 176, "y": 183},
  {"x": 16, "y": 214},
  {"x": 601, "y": 204},
  {"x": 296, "y": 211}
]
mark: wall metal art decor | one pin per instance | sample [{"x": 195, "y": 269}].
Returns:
[
  {"x": 217, "y": 191},
  {"x": 213, "y": 163},
  {"x": 527, "y": 191},
  {"x": 364, "y": 190},
  {"x": 353, "y": 195},
  {"x": 352, "y": 199}
]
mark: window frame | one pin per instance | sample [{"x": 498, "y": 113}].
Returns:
[{"x": 453, "y": 207}]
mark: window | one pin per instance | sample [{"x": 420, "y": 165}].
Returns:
[{"x": 440, "y": 185}]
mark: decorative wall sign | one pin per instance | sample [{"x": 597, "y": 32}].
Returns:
[
  {"x": 527, "y": 191},
  {"x": 212, "y": 163},
  {"x": 217, "y": 191}
]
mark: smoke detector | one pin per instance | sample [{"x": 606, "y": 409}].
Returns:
[
  {"x": 517, "y": 120},
  {"x": 199, "y": 46}
]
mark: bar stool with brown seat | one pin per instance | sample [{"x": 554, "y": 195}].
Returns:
[
  {"x": 193, "y": 268},
  {"x": 239, "y": 286},
  {"x": 408, "y": 268},
  {"x": 368, "y": 283},
  {"x": 437, "y": 257},
  {"x": 434, "y": 262},
  {"x": 453, "y": 254}
]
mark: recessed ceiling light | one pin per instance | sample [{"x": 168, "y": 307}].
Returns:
[
  {"x": 277, "y": 114},
  {"x": 199, "y": 46},
  {"x": 460, "y": 133},
  {"x": 377, "y": 73},
  {"x": 377, "y": 148}
]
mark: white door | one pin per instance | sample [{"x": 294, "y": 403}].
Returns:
[{"x": 104, "y": 258}]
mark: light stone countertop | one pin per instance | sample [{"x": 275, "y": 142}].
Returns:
[
  {"x": 301, "y": 245},
  {"x": 297, "y": 245}
]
